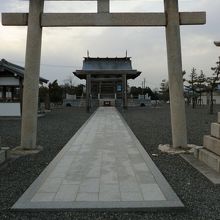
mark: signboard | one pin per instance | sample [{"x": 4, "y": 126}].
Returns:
[{"x": 119, "y": 88}]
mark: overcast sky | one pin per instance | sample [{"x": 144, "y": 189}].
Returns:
[{"x": 63, "y": 49}]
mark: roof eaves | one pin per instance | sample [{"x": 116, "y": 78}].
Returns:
[{"x": 17, "y": 69}]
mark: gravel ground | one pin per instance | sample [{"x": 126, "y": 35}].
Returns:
[{"x": 152, "y": 127}]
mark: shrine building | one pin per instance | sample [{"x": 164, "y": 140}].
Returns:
[
  {"x": 106, "y": 79},
  {"x": 11, "y": 88}
]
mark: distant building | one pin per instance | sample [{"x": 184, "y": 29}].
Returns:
[
  {"x": 106, "y": 79},
  {"x": 11, "y": 88},
  {"x": 206, "y": 99}
]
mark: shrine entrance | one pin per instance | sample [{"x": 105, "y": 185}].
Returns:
[{"x": 36, "y": 19}]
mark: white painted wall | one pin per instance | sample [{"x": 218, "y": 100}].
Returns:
[
  {"x": 71, "y": 97},
  {"x": 9, "y": 81},
  {"x": 10, "y": 109},
  {"x": 217, "y": 98},
  {"x": 8, "y": 94},
  {"x": 206, "y": 98}
]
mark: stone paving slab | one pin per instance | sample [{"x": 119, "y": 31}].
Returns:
[{"x": 102, "y": 166}]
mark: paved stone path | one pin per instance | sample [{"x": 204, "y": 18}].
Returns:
[{"x": 102, "y": 166}]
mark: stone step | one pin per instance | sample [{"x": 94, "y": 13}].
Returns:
[
  {"x": 209, "y": 158},
  {"x": 212, "y": 144},
  {"x": 219, "y": 117},
  {"x": 215, "y": 130}
]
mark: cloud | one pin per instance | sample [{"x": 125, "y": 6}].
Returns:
[
  {"x": 13, "y": 6},
  {"x": 147, "y": 46}
]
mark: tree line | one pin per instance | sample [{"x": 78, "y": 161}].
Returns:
[
  {"x": 195, "y": 85},
  {"x": 56, "y": 93}
]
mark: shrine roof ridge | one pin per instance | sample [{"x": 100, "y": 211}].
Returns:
[
  {"x": 16, "y": 69},
  {"x": 107, "y": 58}
]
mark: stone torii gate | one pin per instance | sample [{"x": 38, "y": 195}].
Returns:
[{"x": 36, "y": 19}]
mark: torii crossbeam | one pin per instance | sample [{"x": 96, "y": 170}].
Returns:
[{"x": 36, "y": 19}]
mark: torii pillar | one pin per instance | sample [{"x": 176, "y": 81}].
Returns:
[
  {"x": 88, "y": 92},
  {"x": 124, "y": 91},
  {"x": 174, "y": 57},
  {"x": 32, "y": 73}
]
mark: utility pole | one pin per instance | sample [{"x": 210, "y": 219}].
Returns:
[{"x": 144, "y": 83}]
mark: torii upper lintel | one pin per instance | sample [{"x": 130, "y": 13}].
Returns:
[{"x": 103, "y": 19}]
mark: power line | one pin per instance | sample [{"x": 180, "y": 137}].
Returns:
[{"x": 50, "y": 65}]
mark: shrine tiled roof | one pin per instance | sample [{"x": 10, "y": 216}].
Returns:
[
  {"x": 15, "y": 69},
  {"x": 116, "y": 63},
  {"x": 107, "y": 66}
]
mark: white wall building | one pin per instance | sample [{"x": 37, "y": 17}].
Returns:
[
  {"x": 11, "y": 87},
  {"x": 206, "y": 98}
]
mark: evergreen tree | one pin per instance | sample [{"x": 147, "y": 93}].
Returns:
[
  {"x": 212, "y": 84},
  {"x": 192, "y": 86},
  {"x": 43, "y": 91},
  {"x": 201, "y": 86},
  {"x": 55, "y": 92}
]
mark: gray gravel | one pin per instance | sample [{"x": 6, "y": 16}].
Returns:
[{"x": 150, "y": 125}]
